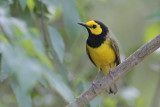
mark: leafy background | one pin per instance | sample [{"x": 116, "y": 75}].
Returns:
[{"x": 43, "y": 61}]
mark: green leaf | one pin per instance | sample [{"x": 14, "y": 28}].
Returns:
[
  {"x": 45, "y": 60},
  {"x": 57, "y": 42},
  {"x": 6, "y": 70},
  {"x": 139, "y": 102},
  {"x": 23, "y": 4},
  {"x": 21, "y": 25},
  {"x": 59, "y": 65},
  {"x": 10, "y": 65},
  {"x": 151, "y": 31},
  {"x": 81, "y": 11},
  {"x": 28, "y": 73},
  {"x": 28, "y": 46},
  {"x": 5, "y": 3},
  {"x": 6, "y": 24},
  {"x": 54, "y": 3},
  {"x": 2, "y": 38},
  {"x": 15, "y": 61},
  {"x": 57, "y": 84},
  {"x": 12, "y": 25},
  {"x": 44, "y": 82},
  {"x": 23, "y": 98},
  {"x": 8, "y": 61},
  {"x": 31, "y": 4},
  {"x": 71, "y": 18},
  {"x": 110, "y": 102}
]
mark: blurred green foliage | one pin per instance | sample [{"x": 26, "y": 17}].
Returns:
[{"x": 36, "y": 75}]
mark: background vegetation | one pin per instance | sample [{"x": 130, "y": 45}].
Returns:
[{"x": 43, "y": 60}]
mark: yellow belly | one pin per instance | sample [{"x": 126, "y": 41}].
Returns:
[{"x": 103, "y": 56}]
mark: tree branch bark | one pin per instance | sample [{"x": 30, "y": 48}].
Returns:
[{"x": 118, "y": 72}]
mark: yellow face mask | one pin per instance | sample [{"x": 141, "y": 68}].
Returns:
[{"x": 94, "y": 27}]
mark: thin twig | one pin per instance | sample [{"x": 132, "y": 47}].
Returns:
[
  {"x": 0, "y": 62},
  {"x": 5, "y": 35},
  {"x": 105, "y": 82},
  {"x": 50, "y": 50},
  {"x": 45, "y": 38}
]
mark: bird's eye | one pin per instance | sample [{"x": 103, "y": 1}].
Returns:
[{"x": 94, "y": 26}]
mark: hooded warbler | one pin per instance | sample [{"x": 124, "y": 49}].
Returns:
[{"x": 102, "y": 50}]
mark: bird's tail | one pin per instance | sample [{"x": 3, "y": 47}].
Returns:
[{"x": 113, "y": 89}]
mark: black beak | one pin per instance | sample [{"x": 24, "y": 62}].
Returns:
[{"x": 83, "y": 24}]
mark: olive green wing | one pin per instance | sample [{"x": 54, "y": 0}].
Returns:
[
  {"x": 116, "y": 49},
  {"x": 89, "y": 56}
]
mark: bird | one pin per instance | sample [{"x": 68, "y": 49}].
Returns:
[{"x": 102, "y": 50}]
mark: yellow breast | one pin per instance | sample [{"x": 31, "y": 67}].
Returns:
[{"x": 103, "y": 56}]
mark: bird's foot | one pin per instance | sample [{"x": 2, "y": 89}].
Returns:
[
  {"x": 93, "y": 86},
  {"x": 110, "y": 73},
  {"x": 113, "y": 89}
]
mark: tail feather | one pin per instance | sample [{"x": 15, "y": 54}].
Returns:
[{"x": 113, "y": 89}]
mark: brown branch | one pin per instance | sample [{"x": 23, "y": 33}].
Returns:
[
  {"x": 51, "y": 54},
  {"x": 45, "y": 38},
  {"x": 119, "y": 71},
  {"x": 0, "y": 62},
  {"x": 5, "y": 35}
]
